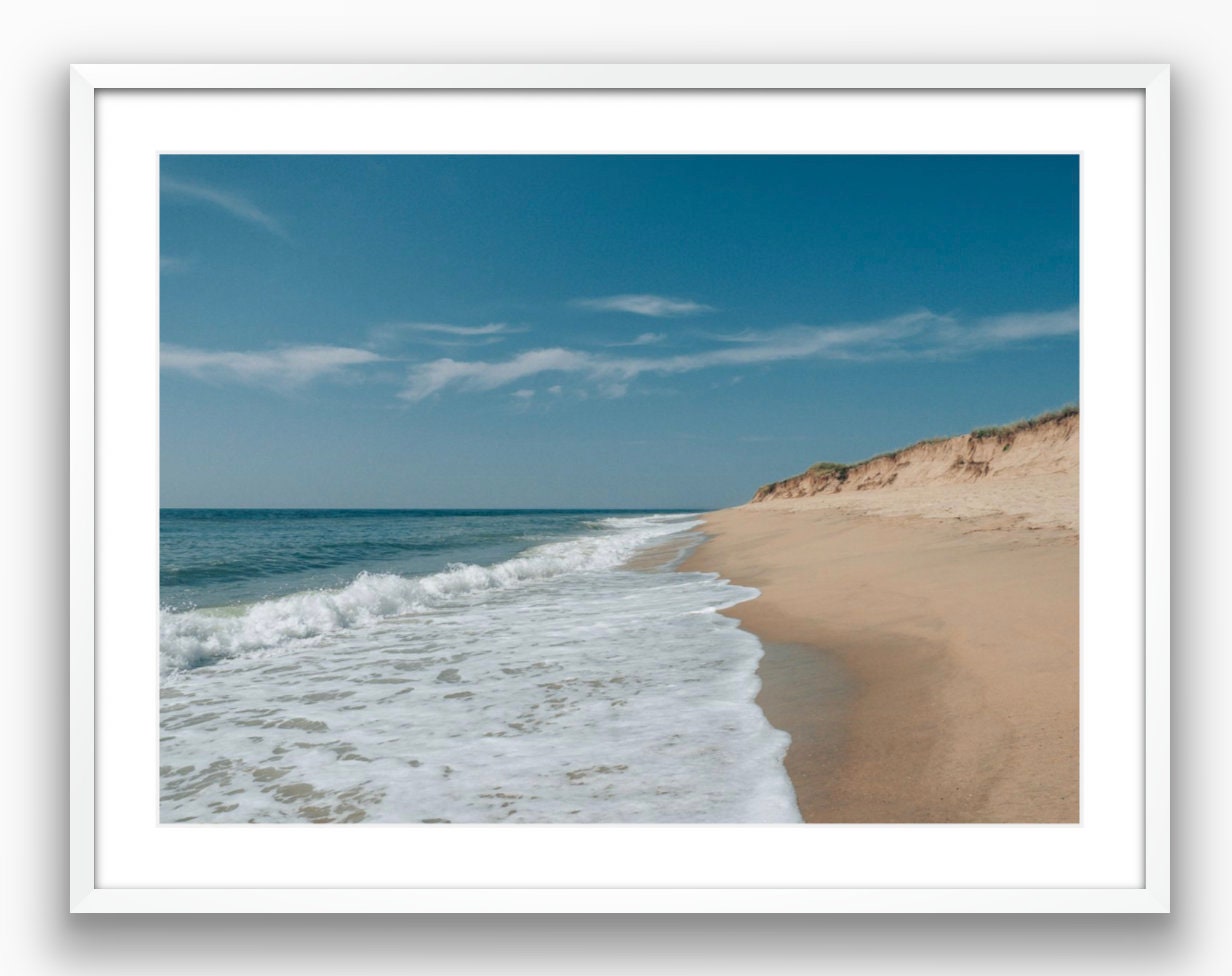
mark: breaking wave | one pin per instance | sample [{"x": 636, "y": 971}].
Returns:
[{"x": 200, "y": 637}]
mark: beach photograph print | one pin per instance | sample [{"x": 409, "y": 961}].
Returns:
[{"x": 574, "y": 489}]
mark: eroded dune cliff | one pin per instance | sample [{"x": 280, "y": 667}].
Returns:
[{"x": 1028, "y": 471}]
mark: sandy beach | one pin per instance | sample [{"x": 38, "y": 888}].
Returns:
[{"x": 920, "y": 618}]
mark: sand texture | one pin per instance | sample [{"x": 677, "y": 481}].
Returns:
[{"x": 921, "y": 624}]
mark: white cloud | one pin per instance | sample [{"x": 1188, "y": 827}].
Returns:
[
  {"x": 919, "y": 335},
  {"x": 280, "y": 369},
  {"x": 645, "y": 339},
  {"x": 458, "y": 330},
  {"x": 232, "y": 203},
  {"x": 455, "y": 335},
  {"x": 428, "y": 378},
  {"x": 656, "y": 306},
  {"x": 523, "y": 394},
  {"x": 1010, "y": 328}
]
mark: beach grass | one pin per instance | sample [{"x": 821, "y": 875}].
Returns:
[
  {"x": 1030, "y": 423},
  {"x": 979, "y": 433}
]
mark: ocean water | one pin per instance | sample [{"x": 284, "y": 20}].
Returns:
[{"x": 459, "y": 667}]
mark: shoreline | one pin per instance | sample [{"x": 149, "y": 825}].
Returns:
[{"x": 926, "y": 668}]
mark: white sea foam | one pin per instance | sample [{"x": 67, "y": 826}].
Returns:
[
  {"x": 555, "y": 687},
  {"x": 194, "y": 638}
]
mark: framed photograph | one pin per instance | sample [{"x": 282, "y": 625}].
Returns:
[{"x": 619, "y": 488}]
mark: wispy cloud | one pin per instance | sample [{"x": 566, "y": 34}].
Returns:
[
  {"x": 919, "y": 335},
  {"x": 457, "y": 330},
  {"x": 283, "y": 369},
  {"x": 441, "y": 334},
  {"x": 645, "y": 339},
  {"x": 232, "y": 203},
  {"x": 427, "y": 378},
  {"x": 172, "y": 265},
  {"x": 656, "y": 306},
  {"x": 1010, "y": 328}
]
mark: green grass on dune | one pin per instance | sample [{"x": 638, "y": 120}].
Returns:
[{"x": 1029, "y": 424}]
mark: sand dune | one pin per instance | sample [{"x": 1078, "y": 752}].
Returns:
[
  {"x": 1023, "y": 477},
  {"x": 920, "y": 612}
]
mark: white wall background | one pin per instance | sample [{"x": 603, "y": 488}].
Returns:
[{"x": 36, "y": 934}]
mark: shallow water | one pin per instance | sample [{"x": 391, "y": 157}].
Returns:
[{"x": 549, "y": 683}]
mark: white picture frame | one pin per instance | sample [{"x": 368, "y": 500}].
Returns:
[{"x": 123, "y": 861}]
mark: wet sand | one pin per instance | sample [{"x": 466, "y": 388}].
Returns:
[{"x": 926, "y": 668}]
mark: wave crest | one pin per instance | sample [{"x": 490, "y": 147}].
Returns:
[{"x": 195, "y": 638}]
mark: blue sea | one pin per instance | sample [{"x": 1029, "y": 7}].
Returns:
[{"x": 335, "y": 666}]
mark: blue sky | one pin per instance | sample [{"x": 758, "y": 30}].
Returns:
[{"x": 596, "y": 331}]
